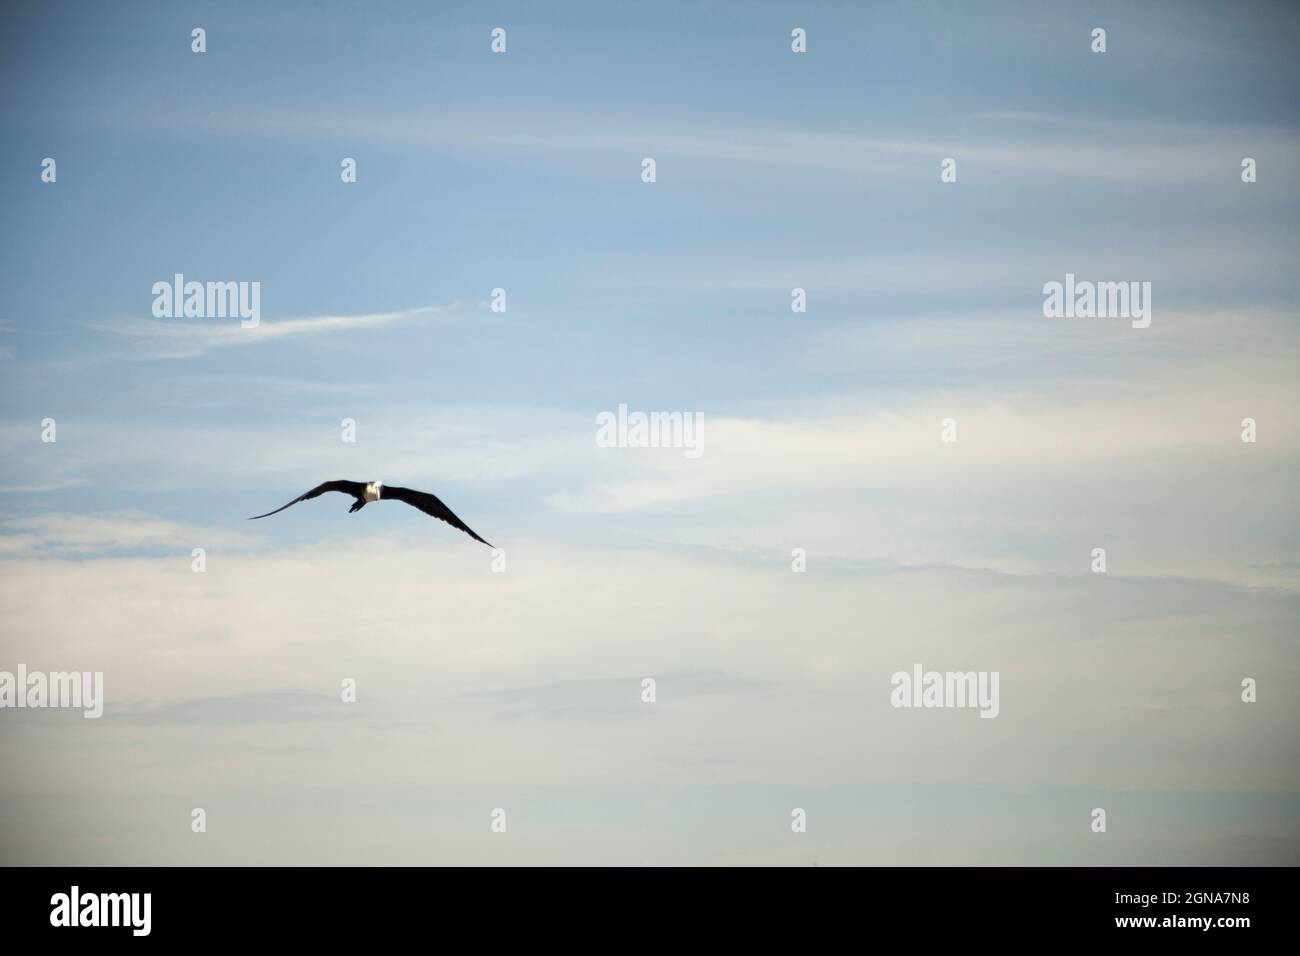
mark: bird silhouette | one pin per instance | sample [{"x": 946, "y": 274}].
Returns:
[{"x": 367, "y": 491}]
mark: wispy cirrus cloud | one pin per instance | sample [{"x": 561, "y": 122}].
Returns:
[
  {"x": 69, "y": 535},
  {"x": 160, "y": 339},
  {"x": 43, "y": 487},
  {"x": 1024, "y": 143}
]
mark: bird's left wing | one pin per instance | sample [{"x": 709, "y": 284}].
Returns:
[
  {"x": 354, "y": 488},
  {"x": 430, "y": 505}
]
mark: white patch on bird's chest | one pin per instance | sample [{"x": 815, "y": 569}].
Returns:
[{"x": 374, "y": 490}]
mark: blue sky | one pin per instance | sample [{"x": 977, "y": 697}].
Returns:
[{"x": 774, "y": 170}]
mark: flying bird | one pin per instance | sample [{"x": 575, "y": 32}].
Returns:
[{"x": 367, "y": 491}]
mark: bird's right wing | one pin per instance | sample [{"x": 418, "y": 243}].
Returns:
[
  {"x": 357, "y": 489},
  {"x": 430, "y": 505}
]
